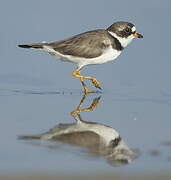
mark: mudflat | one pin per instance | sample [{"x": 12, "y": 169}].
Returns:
[{"x": 165, "y": 176}]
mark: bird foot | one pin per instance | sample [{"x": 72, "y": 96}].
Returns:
[
  {"x": 96, "y": 83},
  {"x": 87, "y": 91}
]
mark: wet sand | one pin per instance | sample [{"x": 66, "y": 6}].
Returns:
[{"x": 165, "y": 176}]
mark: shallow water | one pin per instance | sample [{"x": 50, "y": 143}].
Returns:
[
  {"x": 137, "y": 118},
  {"x": 38, "y": 92}
]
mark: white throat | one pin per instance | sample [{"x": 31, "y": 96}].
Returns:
[{"x": 124, "y": 41}]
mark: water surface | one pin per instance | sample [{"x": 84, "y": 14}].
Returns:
[{"x": 38, "y": 92}]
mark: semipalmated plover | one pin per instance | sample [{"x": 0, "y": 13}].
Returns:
[{"x": 92, "y": 47}]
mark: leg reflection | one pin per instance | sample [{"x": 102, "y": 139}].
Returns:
[{"x": 90, "y": 108}]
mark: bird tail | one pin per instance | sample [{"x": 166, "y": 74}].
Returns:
[
  {"x": 35, "y": 46},
  {"x": 29, "y": 137}
]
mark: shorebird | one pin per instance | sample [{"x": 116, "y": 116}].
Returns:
[{"x": 92, "y": 47}]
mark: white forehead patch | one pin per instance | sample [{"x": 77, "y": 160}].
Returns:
[{"x": 133, "y": 29}]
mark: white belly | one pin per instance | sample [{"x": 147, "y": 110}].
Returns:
[{"x": 108, "y": 55}]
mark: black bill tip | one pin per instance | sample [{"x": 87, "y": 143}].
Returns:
[{"x": 137, "y": 35}]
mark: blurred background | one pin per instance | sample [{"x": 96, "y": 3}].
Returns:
[{"x": 37, "y": 92}]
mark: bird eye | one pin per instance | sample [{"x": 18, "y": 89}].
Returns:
[{"x": 128, "y": 30}]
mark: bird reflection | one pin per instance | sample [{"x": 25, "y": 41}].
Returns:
[{"x": 99, "y": 139}]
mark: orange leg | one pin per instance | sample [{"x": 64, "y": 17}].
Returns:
[
  {"x": 94, "y": 81},
  {"x": 90, "y": 108}
]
